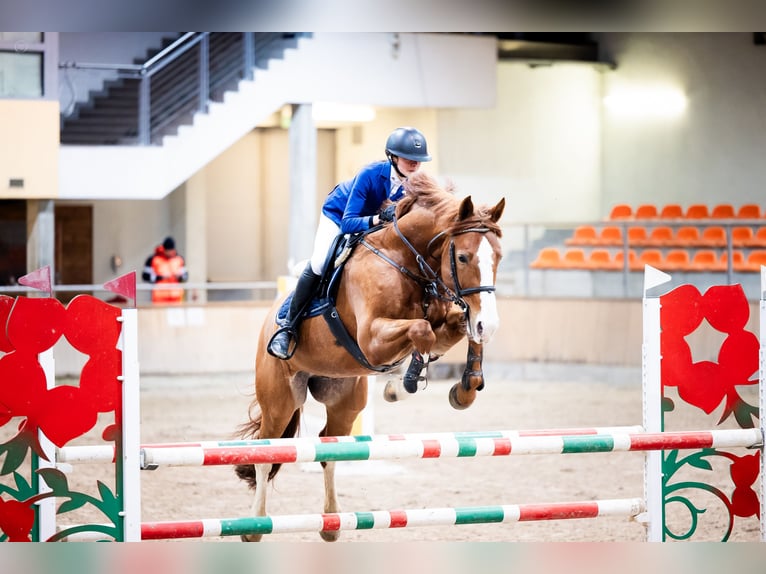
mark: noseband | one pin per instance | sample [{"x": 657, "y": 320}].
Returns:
[{"x": 432, "y": 283}]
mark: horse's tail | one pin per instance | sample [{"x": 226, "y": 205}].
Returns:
[{"x": 251, "y": 430}]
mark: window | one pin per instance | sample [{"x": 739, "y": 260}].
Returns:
[{"x": 24, "y": 70}]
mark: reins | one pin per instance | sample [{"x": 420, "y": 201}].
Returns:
[{"x": 430, "y": 280}]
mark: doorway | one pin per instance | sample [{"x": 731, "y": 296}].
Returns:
[{"x": 74, "y": 247}]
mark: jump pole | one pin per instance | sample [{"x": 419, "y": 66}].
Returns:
[{"x": 194, "y": 454}]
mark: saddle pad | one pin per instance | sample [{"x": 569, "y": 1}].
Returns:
[{"x": 316, "y": 307}]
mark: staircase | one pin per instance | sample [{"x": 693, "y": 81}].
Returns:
[
  {"x": 158, "y": 134},
  {"x": 157, "y": 94}
]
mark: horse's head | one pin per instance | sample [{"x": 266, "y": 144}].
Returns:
[
  {"x": 464, "y": 240},
  {"x": 470, "y": 255}
]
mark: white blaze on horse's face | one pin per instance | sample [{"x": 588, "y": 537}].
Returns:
[{"x": 483, "y": 324}]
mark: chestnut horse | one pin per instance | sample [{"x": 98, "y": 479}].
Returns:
[{"x": 423, "y": 282}]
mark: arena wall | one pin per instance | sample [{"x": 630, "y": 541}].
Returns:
[{"x": 217, "y": 338}]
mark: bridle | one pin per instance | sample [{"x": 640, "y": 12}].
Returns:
[{"x": 432, "y": 283}]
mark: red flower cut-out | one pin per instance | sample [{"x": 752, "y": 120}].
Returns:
[
  {"x": 705, "y": 384},
  {"x": 744, "y": 472},
  {"x": 35, "y": 325},
  {"x": 16, "y": 520}
]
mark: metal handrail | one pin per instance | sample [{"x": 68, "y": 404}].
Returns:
[
  {"x": 138, "y": 68},
  {"x": 149, "y": 128}
]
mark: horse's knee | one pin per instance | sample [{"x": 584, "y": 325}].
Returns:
[{"x": 422, "y": 336}]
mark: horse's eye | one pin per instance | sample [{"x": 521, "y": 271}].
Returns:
[{"x": 463, "y": 258}]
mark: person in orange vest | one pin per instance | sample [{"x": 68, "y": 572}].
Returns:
[{"x": 166, "y": 266}]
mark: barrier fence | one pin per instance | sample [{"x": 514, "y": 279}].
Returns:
[{"x": 109, "y": 337}]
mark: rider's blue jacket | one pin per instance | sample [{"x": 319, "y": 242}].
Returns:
[{"x": 351, "y": 204}]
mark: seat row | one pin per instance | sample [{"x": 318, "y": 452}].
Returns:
[
  {"x": 666, "y": 236},
  {"x": 601, "y": 259},
  {"x": 693, "y": 211}
]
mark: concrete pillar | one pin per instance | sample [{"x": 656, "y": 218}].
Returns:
[
  {"x": 303, "y": 170},
  {"x": 195, "y": 239},
  {"x": 41, "y": 231}
]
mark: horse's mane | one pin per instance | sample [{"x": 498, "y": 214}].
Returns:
[{"x": 423, "y": 190}]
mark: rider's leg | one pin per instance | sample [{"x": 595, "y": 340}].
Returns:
[
  {"x": 326, "y": 232},
  {"x": 304, "y": 290}
]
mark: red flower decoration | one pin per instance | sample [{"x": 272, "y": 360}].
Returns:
[
  {"x": 706, "y": 384},
  {"x": 744, "y": 472},
  {"x": 16, "y": 520},
  {"x": 35, "y": 325}
]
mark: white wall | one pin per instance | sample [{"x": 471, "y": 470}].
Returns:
[
  {"x": 715, "y": 151},
  {"x": 539, "y": 147}
]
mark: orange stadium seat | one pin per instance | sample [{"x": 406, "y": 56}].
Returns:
[
  {"x": 662, "y": 235},
  {"x": 638, "y": 235},
  {"x": 706, "y": 260},
  {"x": 749, "y": 211},
  {"x": 697, "y": 211},
  {"x": 672, "y": 211},
  {"x": 741, "y": 236},
  {"x": 621, "y": 211},
  {"x": 602, "y": 260},
  {"x": 713, "y": 236},
  {"x": 547, "y": 258},
  {"x": 759, "y": 238},
  {"x": 574, "y": 258},
  {"x": 723, "y": 211},
  {"x": 677, "y": 260},
  {"x": 687, "y": 235},
  {"x": 610, "y": 235},
  {"x": 754, "y": 261},
  {"x": 583, "y": 235},
  {"x": 651, "y": 257},
  {"x": 646, "y": 211}
]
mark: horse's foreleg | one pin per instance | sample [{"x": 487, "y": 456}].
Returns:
[
  {"x": 462, "y": 394},
  {"x": 389, "y": 337}
]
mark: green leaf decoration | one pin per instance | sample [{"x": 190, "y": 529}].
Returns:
[
  {"x": 56, "y": 481},
  {"x": 745, "y": 414},
  {"x": 106, "y": 494},
  {"x": 16, "y": 453},
  {"x": 24, "y": 488},
  {"x": 700, "y": 463},
  {"x": 72, "y": 504},
  {"x": 667, "y": 405}
]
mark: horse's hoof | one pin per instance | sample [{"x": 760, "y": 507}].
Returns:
[
  {"x": 329, "y": 535},
  {"x": 389, "y": 392},
  {"x": 250, "y": 537},
  {"x": 454, "y": 403}
]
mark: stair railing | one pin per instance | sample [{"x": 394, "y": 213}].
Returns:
[{"x": 146, "y": 71}]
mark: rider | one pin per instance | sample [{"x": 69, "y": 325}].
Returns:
[{"x": 351, "y": 207}]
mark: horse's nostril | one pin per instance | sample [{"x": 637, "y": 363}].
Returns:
[{"x": 480, "y": 328}]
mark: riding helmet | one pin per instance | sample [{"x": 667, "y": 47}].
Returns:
[{"x": 408, "y": 143}]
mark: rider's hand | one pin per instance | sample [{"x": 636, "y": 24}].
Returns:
[{"x": 388, "y": 213}]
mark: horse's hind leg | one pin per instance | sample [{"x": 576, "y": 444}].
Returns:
[
  {"x": 280, "y": 399},
  {"x": 344, "y": 399}
]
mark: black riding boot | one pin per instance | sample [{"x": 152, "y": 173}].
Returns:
[{"x": 279, "y": 346}]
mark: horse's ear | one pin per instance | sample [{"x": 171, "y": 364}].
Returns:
[
  {"x": 466, "y": 209},
  {"x": 497, "y": 211}
]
